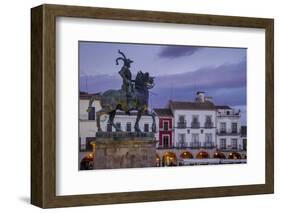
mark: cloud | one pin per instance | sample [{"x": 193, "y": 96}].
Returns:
[
  {"x": 99, "y": 83},
  {"x": 225, "y": 83},
  {"x": 224, "y": 76},
  {"x": 177, "y": 51}
]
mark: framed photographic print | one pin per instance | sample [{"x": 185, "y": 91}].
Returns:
[{"x": 137, "y": 106}]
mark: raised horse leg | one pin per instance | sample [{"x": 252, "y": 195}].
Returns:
[{"x": 137, "y": 128}]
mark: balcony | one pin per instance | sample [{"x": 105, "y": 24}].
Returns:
[
  {"x": 195, "y": 125},
  {"x": 230, "y": 148},
  {"x": 209, "y": 125},
  {"x": 208, "y": 145},
  {"x": 181, "y": 124},
  {"x": 195, "y": 145},
  {"x": 234, "y": 131},
  {"x": 204, "y": 145},
  {"x": 222, "y": 131},
  {"x": 229, "y": 113},
  {"x": 182, "y": 144},
  {"x": 228, "y": 132}
]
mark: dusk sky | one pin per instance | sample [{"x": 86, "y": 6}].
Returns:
[{"x": 179, "y": 71}]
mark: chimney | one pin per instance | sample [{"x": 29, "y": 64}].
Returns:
[
  {"x": 200, "y": 97},
  {"x": 208, "y": 99}
]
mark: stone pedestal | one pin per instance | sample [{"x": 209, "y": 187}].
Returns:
[{"x": 114, "y": 150}]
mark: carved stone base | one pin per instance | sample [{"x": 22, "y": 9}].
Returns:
[{"x": 114, "y": 150}]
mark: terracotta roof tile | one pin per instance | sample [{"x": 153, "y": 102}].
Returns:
[
  {"x": 207, "y": 105},
  {"x": 223, "y": 107},
  {"x": 87, "y": 95},
  {"x": 163, "y": 112}
]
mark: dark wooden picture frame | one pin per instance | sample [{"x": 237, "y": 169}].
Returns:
[{"x": 43, "y": 105}]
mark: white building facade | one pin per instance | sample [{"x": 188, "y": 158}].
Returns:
[
  {"x": 228, "y": 129},
  {"x": 194, "y": 128}
]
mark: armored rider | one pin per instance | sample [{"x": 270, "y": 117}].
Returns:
[{"x": 126, "y": 75}]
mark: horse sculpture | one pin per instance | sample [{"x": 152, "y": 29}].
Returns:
[{"x": 113, "y": 100}]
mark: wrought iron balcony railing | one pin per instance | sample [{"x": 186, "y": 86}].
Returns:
[
  {"x": 209, "y": 124},
  {"x": 181, "y": 124},
  {"x": 183, "y": 144},
  {"x": 195, "y": 145},
  {"x": 195, "y": 124},
  {"x": 234, "y": 131},
  {"x": 230, "y": 148},
  {"x": 208, "y": 144},
  {"x": 228, "y": 132}
]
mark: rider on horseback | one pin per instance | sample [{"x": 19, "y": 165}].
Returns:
[{"x": 126, "y": 75}]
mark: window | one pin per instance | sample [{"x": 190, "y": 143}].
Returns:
[
  {"x": 166, "y": 141},
  {"x": 195, "y": 121},
  {"x": 195, "y": 118},
  {"x": 181, "y": 122},
  {"x": 181, "y": 118},
  {"x": 118, "y": 125},
  {"x": 223, "y": 143},
  {"x": 166, "y": 125},
  {"x": 92, "y": 113},
  {"x": 223, "y": 127},
  {"x": 208, "y": 118},
  {"x": 181, "y": 138},
  {"x": 195, "y": 138},
  {"x": 109, "y": 128},
  {"x": 234, "y": 127},
  {"x": 245, "y": 144},
  {"x": 146, "y": 127},
  {"x": 208, "y": 123},
  {"x": 234, "y": 143},
  {"x": 128, "y": 127},
  {"x": 208, "y": 137},
  {"x": 89, "y": 141}
]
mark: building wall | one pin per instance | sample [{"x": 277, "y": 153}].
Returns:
[
  {"x": 229, "y": 119},
  {"x": 162, "y": 132},
  {"x": 188, "y": 114},
  {"x": 87, "y": 128}
]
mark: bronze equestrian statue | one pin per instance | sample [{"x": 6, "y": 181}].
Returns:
[{"x": 133, "y": 95}]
